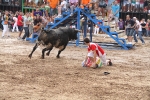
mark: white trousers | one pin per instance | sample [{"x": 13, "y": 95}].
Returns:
[
  {"x": 102, "y": 57},
  {"x": 5, "y": 30},
  {"x": 15, "y": 26},
  {"x": 96, "y": 30}
]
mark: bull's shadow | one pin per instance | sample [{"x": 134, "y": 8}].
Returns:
[{"x": 57, "y": 38}]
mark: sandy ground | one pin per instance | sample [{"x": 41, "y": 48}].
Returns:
[{"x": 22, "y": 78}]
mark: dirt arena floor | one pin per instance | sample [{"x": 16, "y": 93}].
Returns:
[{"x": 22, "y": 78}]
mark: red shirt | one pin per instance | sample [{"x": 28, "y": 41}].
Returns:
[
  {"x": 94, "y": 46},
  {"x": 141, "y": 1},
  {"x": 20, "y": 19}
]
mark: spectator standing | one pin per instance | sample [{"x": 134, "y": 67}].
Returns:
[
  {"x": 5, "y": 24},
  {"x": 15, "y": 24},
  {"x": 86, "y": 3},
  {"x": 47, "y": 10},
  {"x": 102, "y": 8},
  {"x": 137, "y": 5},
  {"x": 20, "y": 24},
  {"x": 129, "y": 27},
  {"x": 141, "y": 5},
  {"x": 53, "y": 8},
  {"x": 96, "y": 29},
  {"x": 25, "y": 26},
  {"x": 61, "y": 8},
  {"x": 148, "y": 28},
  {"x": 124, "y": 8},
  {"x": 133, "y": 2},
  {"x": 143, "y": 24},
  {"x": 138, "y": 30},
  {"x": 30, "y": 19},
  {"x": 73, "y": 4},
  {"x": 94, "y": 5},
  {"x": 121, "y": 24},
  {"x": 115, "y": 12},
  {"x": 109, "y": 7},
  {"x": 89, "y": 25}
]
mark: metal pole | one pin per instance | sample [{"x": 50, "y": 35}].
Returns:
[
  {"x": 78, "y": 27},
  {"x": 91, "y": 31},
  {"x": 85, "y": 27},
  {"x": 22, "y": 1}
]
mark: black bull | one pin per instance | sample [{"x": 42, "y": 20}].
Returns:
[{"x": 58, "y": 38}]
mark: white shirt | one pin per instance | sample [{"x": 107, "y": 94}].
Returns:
[
  {"x": 25, "y": 20},
  {"x": 64, "y": 3},
  {"x": 15, "y": 19},
  {"x": 73, "y": 1},
  {"x": 139, "y": 24},
  {"x": 149, "y": 11}
]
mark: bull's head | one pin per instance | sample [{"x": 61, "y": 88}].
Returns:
[
  {"x": 74, "y": 33},
  {"x": 77, "y": 30}
]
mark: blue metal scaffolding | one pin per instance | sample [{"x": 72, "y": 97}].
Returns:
[{"x": 84, "y": 13}]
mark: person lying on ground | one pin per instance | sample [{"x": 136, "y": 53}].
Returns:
[{"x": 94, "y": 50}]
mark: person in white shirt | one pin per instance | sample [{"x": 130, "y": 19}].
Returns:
[
  {"x": 5, "y": 24},
  {"x": 72, "y": 5},
  {"x": 61, "y": 8},
  {"x": 15, "y": 23},
  {"x": 138, "y": 31}
]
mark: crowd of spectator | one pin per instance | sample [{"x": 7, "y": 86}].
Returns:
[{"x": 51, "y": 9}]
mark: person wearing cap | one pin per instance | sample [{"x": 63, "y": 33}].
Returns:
[{"x": 94, "y": 51}]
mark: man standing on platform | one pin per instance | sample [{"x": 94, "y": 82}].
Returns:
[
  {"x": 109, "y": 6},
  {"x": 115, "y": 12},
  {"x": 53, "y": 8}
]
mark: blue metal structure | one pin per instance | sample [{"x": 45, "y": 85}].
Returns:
[{"x": 75, "y": 18}]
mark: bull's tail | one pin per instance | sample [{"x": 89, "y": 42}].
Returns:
[{"x": 34, "y": 48}]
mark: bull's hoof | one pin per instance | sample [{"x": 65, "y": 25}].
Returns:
[
  {"x": 30, "y": 56},
  {"x": 47, "y": 54},
  {"x": 58, "y": 56},
  {"x": 42, "y": 57}
]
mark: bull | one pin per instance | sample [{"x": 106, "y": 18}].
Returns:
[{"x": 58, "y": 38}]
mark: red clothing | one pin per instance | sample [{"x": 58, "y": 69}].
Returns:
[
  {"x": 94, "y": 46},
  {"x": 20, "y": 19},
  {"x": 148, "y": 26},
  {"x": 141, "y": 1}
]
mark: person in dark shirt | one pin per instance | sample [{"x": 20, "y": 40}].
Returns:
[
  {"x": 89, "y": 25},
  {"x": 143, "y": 24},
  {"x": 37, "y": 23},
  {"x": 129, "y": 26},
  {"x": 37, "y": 20},
  {"x": 121, "y": 24}
]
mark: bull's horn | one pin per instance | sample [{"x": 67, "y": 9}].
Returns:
[{"x": 78, "y": 30}]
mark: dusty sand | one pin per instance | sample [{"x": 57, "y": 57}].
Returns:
[{"x": 22, "y": 78}]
